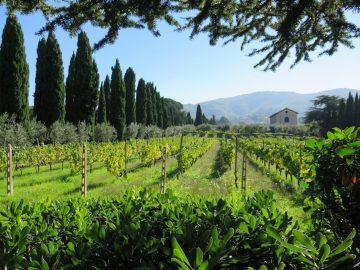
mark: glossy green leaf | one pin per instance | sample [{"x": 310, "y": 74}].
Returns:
[
  {"x": 343, "y": 246},
  {"x": 44, "y": 265},
  {"x": 324, "y": 252},
  {"x": 273, "y": 233},
  {"x": 345, "y": 151},
  {"x": 304, "y": 240},
  {"x": 199, "y": 256}
]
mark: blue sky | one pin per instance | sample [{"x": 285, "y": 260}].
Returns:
[{"x": 192, "y": 71}]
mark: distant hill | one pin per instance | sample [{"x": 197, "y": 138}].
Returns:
[{"x": 258, "y": 106}]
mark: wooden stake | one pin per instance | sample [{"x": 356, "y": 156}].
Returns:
[
  {"x": 299, "y": 177},
  {"x": 236, "y": 161},
  {"x": 84, "y": 172},
  {"x": 163, "y": 169},
  {"x": 125, "y": 160},
  {"x": 243, "y": 174},
  {"x": 180, "y": 154},
  {"x": 10, "y": 182}
]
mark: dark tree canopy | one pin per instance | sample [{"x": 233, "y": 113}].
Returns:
[
  {"x": 101, "y": 112},
  {"x": 40, "y": 77},
  {"x": 107, "y": 96},
  {"x": 160, "y": 121},
  {"x": 53, "y": 107},
  {"x": 129, "y": 80},
  {"x": 85, "y": 83},
  {"x": 281, "y": 27},
  {"x": 49, "y": 89},
  {"x": 141, "y": 102},
  {"x": 331, "y": 111},
  {"x": 117, "y": 102},
  {"x": 14, "y": 72},
  {"x": 149, "y": 105},
  {"x": 199, "y": 116},
  {"x": 70, "y": 91}
]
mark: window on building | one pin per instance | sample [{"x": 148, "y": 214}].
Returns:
[
  {"x": 286, "y": 111},
  {"x": 286, "y": 120}
]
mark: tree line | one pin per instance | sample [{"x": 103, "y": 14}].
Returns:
[
  {"x": 331, "y": 111},
  {"x": 81, "y": 98}
]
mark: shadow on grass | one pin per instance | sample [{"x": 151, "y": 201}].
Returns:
[
  {"x": 172, "y": 174},
  {"x": 219, "y": 168},
  {"x": 32, "y": 170},
  {"x": 63, "y": 178},
  {"x": 280, "y": 185},
  {"x": 89, "y": 187}
]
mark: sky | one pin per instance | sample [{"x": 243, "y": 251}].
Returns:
[{"x": 192, "y": 71}]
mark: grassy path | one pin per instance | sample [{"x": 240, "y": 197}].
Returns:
[{"x": 201, "y": 179}]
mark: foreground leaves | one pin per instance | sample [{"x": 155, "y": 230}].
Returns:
[{"x": 146, "y": 230}]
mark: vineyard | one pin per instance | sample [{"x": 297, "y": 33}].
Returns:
[{"x": 212, "y": 211}]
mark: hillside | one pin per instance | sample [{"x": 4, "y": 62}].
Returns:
[{"x": 258, "y": 106}]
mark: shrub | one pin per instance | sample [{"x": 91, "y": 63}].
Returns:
[
  {"x": 84, "y": 132},
  {"x": 37, "y": 132},
  {"x": 11, "y": 132},
  {"x": 132, "y": 131},
  {"x": 152, "y": 132},
  {"x": 104, "y": 132},
  {"x": 60, "y": 133},
  {"x": 334, "y": 192}
]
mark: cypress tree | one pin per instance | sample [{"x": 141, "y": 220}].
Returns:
[
  {"x": 149, "y": 105},
  {"x": 341, "y": 123},
  {"x": 94, "y": 92},
  {"x": 69, "y": 91},
  {"x": 85, "y": 83},
  {"x": 172, "y": 118},
  {"x": 102, "y": 106},
  {"x": 350, "y": 111},
  {"x": 357, "y": 110},
  {"x": 199, "y": 116},
  {"x": 130, "y": 108},
  {"x": 188, "y": 118},
  {"x": 107, "y": 96},
  {"x": 117, "y": 102},
  {"x": 141, "y": 100},
  {"x": 154, "y": 105},
  {"x": 52, "y": 101},
  {"x": 212, "y": 121},
  {"x": 204, "y": 119},
  {"x": 14, "y": 73},
  {"x": 40, "y": 77},
  {"x": 159, "y": 111},
  {"x": 165, "y": 113}
]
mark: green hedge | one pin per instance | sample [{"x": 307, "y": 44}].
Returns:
[{"x": 146, "y": 230}]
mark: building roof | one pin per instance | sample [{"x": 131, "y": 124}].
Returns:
[{"x": 283, "y": 110}]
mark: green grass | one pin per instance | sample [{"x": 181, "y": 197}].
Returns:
[
  {"x": 201, "y": 179},
  {"x": 60, "y": 184}
]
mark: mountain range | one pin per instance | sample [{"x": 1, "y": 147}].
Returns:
[{"x": 258, "y": 106}]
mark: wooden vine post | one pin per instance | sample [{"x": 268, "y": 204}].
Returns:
[
  {"x": 163, "y": 170},
  {"x": 243, "y": 174},
  {"x": 236, "y": 161},
  {"x": 10, "y": 183},
  {"x": 125, "y": 159},
  {"x": 263, "y": 149},
  {"x": 84, "y": 172},
  {"x": 300, "y": 162},
  {"x": 180, "y": 153}
]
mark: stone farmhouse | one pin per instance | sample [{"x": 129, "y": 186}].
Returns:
[{"x": 285, "y": 117}]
